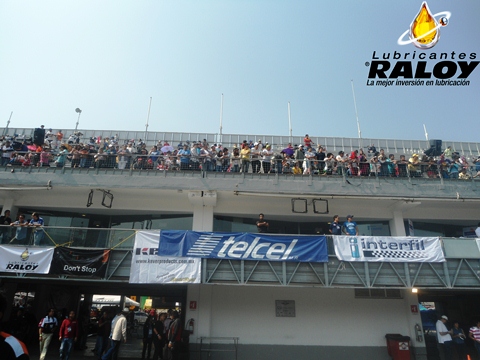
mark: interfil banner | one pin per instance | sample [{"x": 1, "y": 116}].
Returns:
[
  {"x": 148, "y": 268},
  {"x": 243, "y": 246},
  {"x": 391, "y": 249},
  {"x": 22, "y": 259},
  {"x": 80, "y": 262}
]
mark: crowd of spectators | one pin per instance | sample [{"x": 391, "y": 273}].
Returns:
[{"x": 303, "y": 159}]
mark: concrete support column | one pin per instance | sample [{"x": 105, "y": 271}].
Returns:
[
  {"x": 397, "y": 227},
  {"x": 413, "y": 318},
  {"x": 199, "y": 308},
  {"x": 9, "y": 204},
  {"x": 203, "y": 203},
  {"x": 202, "y": 218}
]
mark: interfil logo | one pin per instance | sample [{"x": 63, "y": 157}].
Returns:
[
  {"x": 146, "y": 251},
  {"x": 204, "y": 245}
]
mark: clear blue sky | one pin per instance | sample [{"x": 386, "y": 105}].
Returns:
[{"x": 109, "y": 57}]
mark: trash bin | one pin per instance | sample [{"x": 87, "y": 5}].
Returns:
[{"x": 398, "y": 346}]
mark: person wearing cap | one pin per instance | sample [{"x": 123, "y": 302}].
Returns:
[
  {"x": 474, "y": 334},
  {"x": 255, "y": 153},
  {"x": 267, "y": 154},
  {"x": 350, "y": 227},
  {"x": 68, "y": 335},
  {"x": 444, "y": 338},
  {"x": 118, "y": 335},
  {"x": 299, "y": 155}
]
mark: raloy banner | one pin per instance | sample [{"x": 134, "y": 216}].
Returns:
[
  {"x": 80, "y": 262},
  {"x": 243, "y": 246},
  {"x": 24, "y": 259},
  {"x": 391, "y": 249}
]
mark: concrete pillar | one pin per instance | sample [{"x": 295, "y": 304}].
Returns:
[
  {"x": 201, "y": 295},
  {"x": 203, "y": 203},
  {"x": 202, "y": 218},
  {"x": 413, "y": 318},
  {"x": 397, "y": 227},
  {"x": 8, "y": 204}
]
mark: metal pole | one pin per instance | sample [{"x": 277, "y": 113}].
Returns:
[
  {"x": 290, "y": 123},
  {"x": 220, "y": 140},
  {"x": 148, "y": 118},
  {"x": 356, "y": 114},
  {"x": 426, "y": 133},
  {"x": 78, "y": 119},
  {"x": 5, "y": 131}
]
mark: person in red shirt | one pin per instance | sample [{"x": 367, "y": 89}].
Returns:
[
  {"x": 68, "y": 335},
  {"x": 307, "y": 141}
]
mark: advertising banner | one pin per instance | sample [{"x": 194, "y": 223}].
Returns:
[
  {"x": 243, "y": 246},
  {"x": 22, "y": 259},
  {"x": 80, "y": 262},
  {"x": 385, "y": 248},
  {"x": 148, "y": 267}
]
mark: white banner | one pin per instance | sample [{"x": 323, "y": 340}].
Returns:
[
  {"x": 22, "y": 259},
  {"x": 386, "y": 248},
  {"x": 149, "y": 268}
]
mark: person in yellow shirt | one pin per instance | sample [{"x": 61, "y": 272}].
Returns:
[
  {"x": 296, "y": 169},
  {"x": 245, "y": 156}
]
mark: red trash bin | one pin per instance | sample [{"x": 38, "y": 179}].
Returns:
[{"x": 398, "y": 346}]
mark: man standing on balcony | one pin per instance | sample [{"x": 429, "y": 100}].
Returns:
[
  {"x": 5, "y": 220},
  {"x": 477, "y": 230},
  {"x": 350, "y": 227},
  {"x": 262, "y": 224},
  {"x": 335, "y": 227}
]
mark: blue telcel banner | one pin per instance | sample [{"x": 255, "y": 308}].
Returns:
[{"x": 243, "y": 246}]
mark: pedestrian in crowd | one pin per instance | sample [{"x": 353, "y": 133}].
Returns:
[
  {"x": 117, "y": 335},
  {"x": 474, "y": 334},
  {"x": 10, "y": 347},
  {"x": 148, "y": 337},
  {"x": 38, "y": 232},
  {"x": 68, "y": 335},
  {"x": 5, "y": 221},
  {"x": 160, "y": 338},
  {"x": 103, "y": 332},
  {"x": 350, "y": 227},
  {"x": 444, "y": 338},
  {"x": 335, "y": 227},
  {"x": 48, "y": 325},
  {"x": 458, "y": 338},
  {"x": 21, "y": 231},
  {"x": 262, "y": 224},
  {"x": 477, "y": 230},
  {"x": 174, "y": 336}
]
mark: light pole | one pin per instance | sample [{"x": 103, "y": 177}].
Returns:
[{"x": 77, "y": 110}]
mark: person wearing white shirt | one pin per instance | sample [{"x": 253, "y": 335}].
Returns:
[
  {"x": 444, "y": 337},
  {"x": 477, "y": 230}
]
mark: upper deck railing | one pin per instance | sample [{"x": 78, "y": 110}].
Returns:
[{"x": 332, "y": 144}]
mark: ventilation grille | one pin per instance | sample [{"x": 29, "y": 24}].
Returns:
[{"x": 378, "y": 294}]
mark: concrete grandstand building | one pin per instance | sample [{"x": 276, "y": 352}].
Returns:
[{"x": 273, "y": 309}]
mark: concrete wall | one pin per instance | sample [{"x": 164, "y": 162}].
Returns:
[{"x": 330, "y": 322}]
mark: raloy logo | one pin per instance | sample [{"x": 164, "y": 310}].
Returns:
[
  {"x": 424, "y": 68},
  {"x": 424, "y": 31}
]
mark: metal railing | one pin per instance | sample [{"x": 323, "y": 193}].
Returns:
[
  {"x": 17, "y": 234},
  {"x": 272, "y": 163}
]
